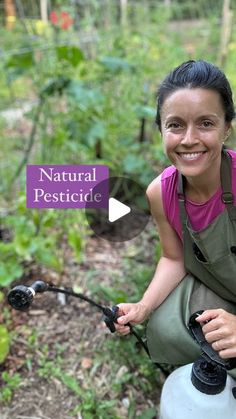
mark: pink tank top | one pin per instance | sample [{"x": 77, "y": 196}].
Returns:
[{"x": 200, "y": 215}]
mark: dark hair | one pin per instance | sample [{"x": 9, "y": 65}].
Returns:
[{"x": 193, "y": 74}]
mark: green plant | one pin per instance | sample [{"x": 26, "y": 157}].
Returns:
[
  {"x": 4, "y": 343},
  {"x": 148, "y": 414},
  {"x": 90, "y": 406},
  {"x": 48, "y": 367},
  {"x": 35, "y": 236},
  {"x": 10, "y": 383}
]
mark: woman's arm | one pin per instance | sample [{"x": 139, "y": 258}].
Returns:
[{"x": 170, "y": 269}]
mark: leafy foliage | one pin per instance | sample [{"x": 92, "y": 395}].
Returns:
[
  {"x": 36, "y": 237},
  {"x": 4, "y": 343},
  {"x": 11, "y": 382}
]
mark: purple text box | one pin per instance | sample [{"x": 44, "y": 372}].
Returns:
[{"x": 67, "y": 186}]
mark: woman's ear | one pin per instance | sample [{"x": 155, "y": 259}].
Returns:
[{"x": 228, "y": 129}]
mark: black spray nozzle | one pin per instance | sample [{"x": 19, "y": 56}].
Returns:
[{"x": 21, "y": 296}]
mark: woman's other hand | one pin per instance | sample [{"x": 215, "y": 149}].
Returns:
[
  {"x": 220, "y": 331},
  {"x": 133, "y": 313}
]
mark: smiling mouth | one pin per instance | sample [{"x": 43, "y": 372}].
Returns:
[{"x": 191, "y": 156}]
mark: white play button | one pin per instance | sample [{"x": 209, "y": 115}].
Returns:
[{"x": 117, "y": 210}]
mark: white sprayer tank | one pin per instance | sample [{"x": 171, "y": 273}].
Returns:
[{"x": 181, "y": 400}]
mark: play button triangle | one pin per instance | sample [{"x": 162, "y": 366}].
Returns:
[{"x": 117, "y": 210}]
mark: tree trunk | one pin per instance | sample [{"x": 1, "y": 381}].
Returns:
[
  {"x": 10, "y": 13},
  {"x": 44, "y": 10},
  {"x": 123, "y": 12},
  {"x": 226, "y": 30}
]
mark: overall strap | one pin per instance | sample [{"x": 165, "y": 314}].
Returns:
[
  {"x": 181, "y": 199},
  {"x": 227, "y": 196}
]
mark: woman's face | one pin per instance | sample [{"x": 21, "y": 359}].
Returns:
[{"x": 193, "y": 129}]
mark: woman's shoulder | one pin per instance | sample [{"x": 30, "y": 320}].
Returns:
[
  {"x": 161, "y": 191},
  {"x": 154, "y": 196},
  {"x": 154, "y": 188},
  {"x": 163, "y": 201},
  {"x": 167, "y": 173}
]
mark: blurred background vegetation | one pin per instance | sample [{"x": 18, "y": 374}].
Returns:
[{"x": 78, "y": 81}]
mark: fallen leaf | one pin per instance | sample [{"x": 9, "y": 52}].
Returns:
[{"x": 86, "y": 363}]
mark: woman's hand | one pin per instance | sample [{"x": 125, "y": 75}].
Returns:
[
  {"x": 133, "y": 313},
  {"x": 220, "y": 331}
]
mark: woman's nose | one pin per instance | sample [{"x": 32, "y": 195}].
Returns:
[{"x": 190, "y": 136}]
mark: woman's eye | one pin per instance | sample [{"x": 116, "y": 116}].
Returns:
[
  {"x": 207, "y": 124},
  {"x": 173, "y": 125}
]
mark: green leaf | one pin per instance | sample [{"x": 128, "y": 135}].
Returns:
[
  {"x": 96, "y": 132},
  {"x": 6, "y": 249},
  {"x": 4, "y": 343},
  {"x": 75, "y": 242},
  {"x": 47, "y": 258},
  {"x": 70, "y": 53},
  {"x": 85, "y": 98},
  {"x": 133, "y": 163},
  {"x": 9, "y": 271},
  {"x": 150, "y": 413},
  {"x": 12, "y": 381},
  {"x": 36, "y": 218},
  {"x": 113, "y": 294},
  {"x": 14, "y": 73},
  {"x": 55, "y": 85},
  {"x": 146, "y": 112},
  {"x": 22, "y": 244},
  {"x": 71, "y": 383},
  {"x": 49, "y": 218},
  {"x": 116, "y": 64},
  {"x": 6, "y": 395},
  {"x": 21, "y": 61}
]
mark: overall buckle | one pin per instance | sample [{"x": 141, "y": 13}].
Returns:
[{"x": 227, "y": 198}]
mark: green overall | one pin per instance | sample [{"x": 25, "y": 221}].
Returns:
[{"x": 210, "y": 260}]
